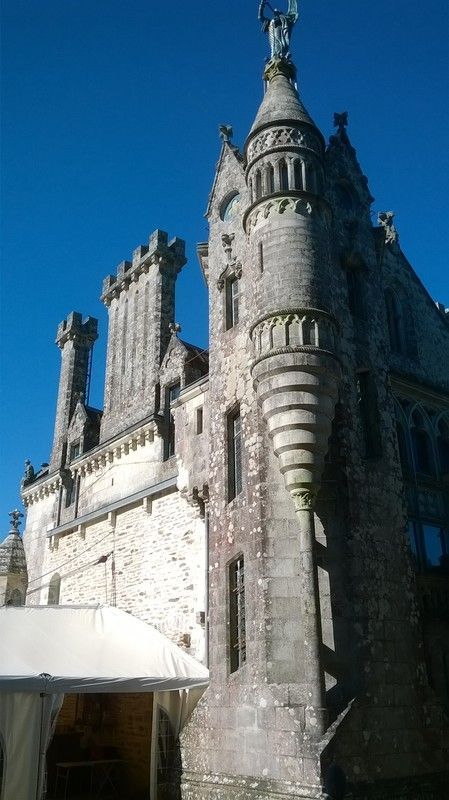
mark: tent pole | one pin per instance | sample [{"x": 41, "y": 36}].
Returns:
[{"x": 41, "y": 756}]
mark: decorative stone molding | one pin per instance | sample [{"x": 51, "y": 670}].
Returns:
[
  {"x": 290, "y": 329},
  {"x": 279, "y": 66},
  {"x": 43, "y": 489},
  {"x": 280, "y": 138},
  {"x": 113, "y": 451},
  {"x": 285, "y": 203},
  {"x": 304, "y": 499}
]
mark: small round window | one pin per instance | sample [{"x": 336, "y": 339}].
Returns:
[{"x": 230, "y": 206}]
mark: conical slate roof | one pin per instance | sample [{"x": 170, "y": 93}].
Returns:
[
  {"x": 12, "y": 555},
  {"x": 281, "y": 103}
]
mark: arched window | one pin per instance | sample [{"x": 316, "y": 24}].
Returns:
[
  {"x": 258, "y": 186},
  {"x": 283, "y": 175},
  {"x": 270, "y": 179},
  {"x": 250, "y": 186},
  {"x": 54, "y": 590},
  {"x": 297, "y": 171},
  {"x": 421, "y": 445},
  {"x": 443, "y": 446}
]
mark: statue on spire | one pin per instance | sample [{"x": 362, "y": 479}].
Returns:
[{"x": 279, "y": 28}]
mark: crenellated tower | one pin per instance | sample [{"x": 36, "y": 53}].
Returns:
[
  {"x": 140, "y": 300},
  {"x": 75, "y": 338}
]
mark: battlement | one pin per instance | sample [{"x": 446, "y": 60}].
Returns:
[
  {"x": 74, "y": 327},
  {"x": 159, "y": 250}
]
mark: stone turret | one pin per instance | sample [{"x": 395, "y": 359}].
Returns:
[
  {"x": 13, "y": 567},
  {"x": 141, "y": 304},
  {"x": 294, "y": 333},
  {"x": 75, "y": 338}
]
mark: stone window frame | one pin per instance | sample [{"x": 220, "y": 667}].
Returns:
[
  {"x": 401, "y": 329},
  {"x": 170, "y": 432},
  {"x": 236, "y": 610},
  {"x": 234, "y": 454}
]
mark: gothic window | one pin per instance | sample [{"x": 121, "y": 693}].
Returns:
[
  {"x": 237, "y": 625},
  {"x": 270, "y": 179},
  {"x": 283, "y": 175},
  {"x": 309, "y": 332},
  {"x": 368, "y": 414},
  {"x": 421, "y": 445},
  {"x": 234, "y": 425},
  {"x": 171, "y": 394},
  {"x": 258, "y": 185},
  {"x": 54, "y": 590},
  {"x": 297, "y": 171},
  {"x": 232, "y": 301}
]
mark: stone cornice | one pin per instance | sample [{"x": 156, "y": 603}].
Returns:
[
  {"x": 40, "y": 489},
  {"x": 113, "y": 449}
]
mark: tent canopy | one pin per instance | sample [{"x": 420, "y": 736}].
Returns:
[{"x": 79, "y": 649}]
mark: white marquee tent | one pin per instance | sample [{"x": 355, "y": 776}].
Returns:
[{"x": 46, "y": 651}]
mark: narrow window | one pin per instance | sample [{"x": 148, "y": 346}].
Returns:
[
  {"x": 298, "y": 175},
  {"x": 171, "y": 394},
  {"x": 258, "y": 186},
  {"x": 237, "y": 628},
  {"x": 70, "y": 491},
  {"x": 232, "y": 302},
  {"x": 261, "y": 256},
  {"x": 270, "y": 179},
  {"x": 366, "y": 399},
  {"x": 54, "y": 590},
  {"x": 283, "y": 175},
  {"x": 199, "y": 420},
  {"x": 234, "y": 454},
  {"x": 75, "y": 450}
]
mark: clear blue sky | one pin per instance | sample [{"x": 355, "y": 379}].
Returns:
[{"x": 109, "y": 116}]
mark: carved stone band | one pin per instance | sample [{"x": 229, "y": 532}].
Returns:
[{"x": 304, "y": 499}]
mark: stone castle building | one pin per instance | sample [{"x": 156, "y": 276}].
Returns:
[{"x": 279, "y": 505}]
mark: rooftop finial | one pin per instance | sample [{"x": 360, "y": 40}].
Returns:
[
  {"x": 279, "y": 28},
  {"x": 15, "y": 520},
  {"x": 226, "y": 132}
]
